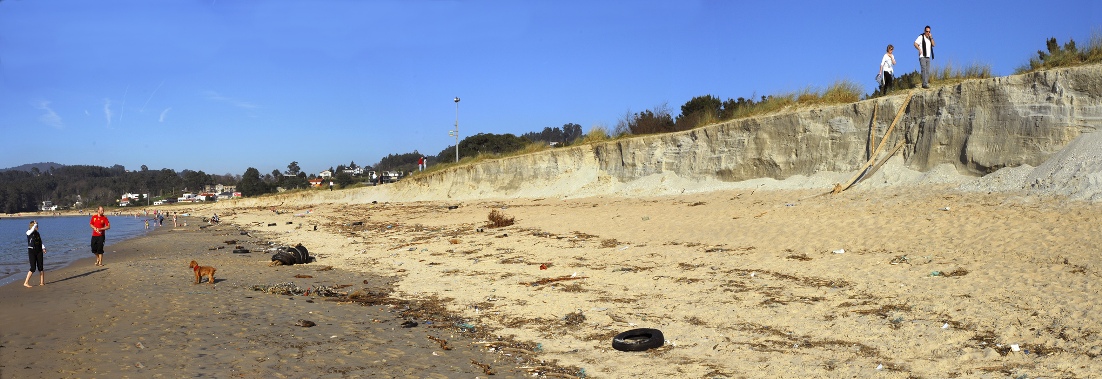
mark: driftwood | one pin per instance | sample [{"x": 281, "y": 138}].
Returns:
[{"x": 838, "y": 188}]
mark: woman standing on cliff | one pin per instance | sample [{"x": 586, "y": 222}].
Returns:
[{"x": 887, "y": 68}]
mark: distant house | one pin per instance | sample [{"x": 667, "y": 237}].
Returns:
[
  {"x": 48, "y": 206},
  {"x": 358, "y": 171},
  {"x": 316, "y": 182},
  {"x": 218, "y": 188},
  {"x": 127, "y": 198},
  {"x": 325, "y": 174}
]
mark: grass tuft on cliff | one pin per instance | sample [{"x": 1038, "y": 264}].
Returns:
[{"x": 1067, "y": 55}]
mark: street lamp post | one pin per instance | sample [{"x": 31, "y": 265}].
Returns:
[{"x": 456, "y": 131}]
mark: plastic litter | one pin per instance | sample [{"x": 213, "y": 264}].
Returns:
[{"x": 839, "y": 251}]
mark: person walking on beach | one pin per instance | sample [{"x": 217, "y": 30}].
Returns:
[
  {"x": 99, "y": 224},
  {"x": 925, "y": 46},
  {"x": 887, "y": 68},
  {"x": 421, "y": 164},
  {"x": 35, "y": 252}
]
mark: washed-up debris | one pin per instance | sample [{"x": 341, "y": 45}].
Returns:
[
  {"x": 638, "y": 340},
  {"x": 443, "y": 343},
  {"x": 288, "y": 288},
  {"x": 485, "y": 367},
  {"x": 574, "y": 318},
  {"x": 409, "y": 324},
  {"x": 291, "y": 255},
  {"x": 552, "y": 280},
  {"x": 305, "y": 323}
]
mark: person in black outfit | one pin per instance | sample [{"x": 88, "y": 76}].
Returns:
[{"x": 35, "y": 252}]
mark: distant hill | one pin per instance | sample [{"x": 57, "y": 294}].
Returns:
[{"x": 42, "y": 167}]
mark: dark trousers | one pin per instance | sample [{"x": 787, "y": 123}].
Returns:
[
  {"x": 97, "y": 244},
  {"x": 35, "y": 257},
  {"x": 887, "y": 82}
]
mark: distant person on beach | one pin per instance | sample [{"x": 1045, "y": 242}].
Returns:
[
  {"x": 174, "y": 223},
  {"x": 35, "y": 252},
  {"x": 887, "y": 68},
  {"x": 99, "y": 224},
  {"x": 421, "y": 164},
  {"x": 925, "y": 46}
]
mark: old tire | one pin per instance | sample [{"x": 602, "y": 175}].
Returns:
[{"x": 638, "y": 340}]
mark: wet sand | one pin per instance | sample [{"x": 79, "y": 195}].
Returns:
[{"x": 142, "y": 316}]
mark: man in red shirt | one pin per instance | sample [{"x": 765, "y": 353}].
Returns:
[{"x": 99, "y": 225}]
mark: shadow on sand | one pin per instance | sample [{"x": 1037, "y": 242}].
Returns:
[{"x": 79, "y": 275}]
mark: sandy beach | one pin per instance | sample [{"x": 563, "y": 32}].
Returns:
[{"x": 917, "y": 281}]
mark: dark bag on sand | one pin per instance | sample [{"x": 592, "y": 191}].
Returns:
[{"x": 292, "y": 255}]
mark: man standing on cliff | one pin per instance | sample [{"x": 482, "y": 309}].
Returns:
[
  {"x": 99, "y": 225},
  {"x": 925, "y": 46}
]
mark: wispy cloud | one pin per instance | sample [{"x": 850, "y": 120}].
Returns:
[
  {"x": 49, "y": 117},
  {"x": 151, "y": 97},
  {"x": 211, "y": 95},
  {"x": 107, "y": 111},
  {"x": 163, "y": 114}
]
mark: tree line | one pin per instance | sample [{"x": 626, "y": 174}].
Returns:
[{"x": 24, "y": 191}]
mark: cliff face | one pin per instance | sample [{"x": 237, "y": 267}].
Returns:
[{"x": 978, "y": 126}]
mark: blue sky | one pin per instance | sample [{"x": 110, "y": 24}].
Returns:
[{"x": 223, "y": 85}]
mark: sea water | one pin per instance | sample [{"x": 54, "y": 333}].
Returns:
[{"x": 67, "y": 238}]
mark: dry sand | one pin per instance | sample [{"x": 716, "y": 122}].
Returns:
[{"x": 932, "y": 282}]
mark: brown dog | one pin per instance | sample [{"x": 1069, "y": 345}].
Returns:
[{"x": 201, "y": 271}]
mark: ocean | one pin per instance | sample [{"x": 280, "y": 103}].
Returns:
[{"x": 67, "y": 238}]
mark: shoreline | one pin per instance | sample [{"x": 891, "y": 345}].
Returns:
[
  {"x": 75, "y": 244},
  {"x": 141, "y": 315}
]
